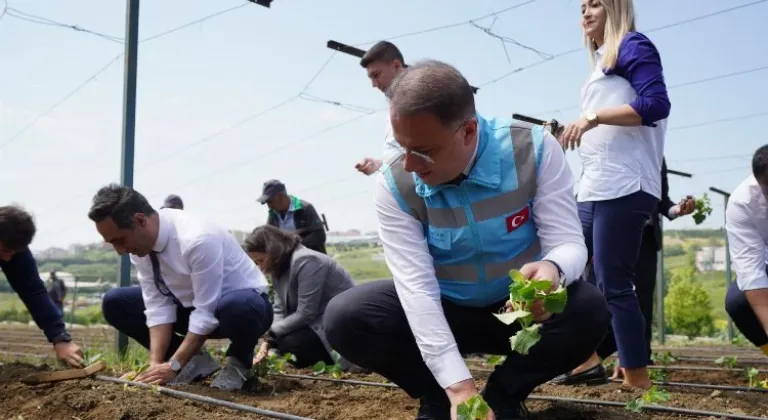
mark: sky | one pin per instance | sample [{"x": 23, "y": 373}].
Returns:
[{"x": 201, "y": 127}]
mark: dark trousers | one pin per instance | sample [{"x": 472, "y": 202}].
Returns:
[
  {"x": 305, "y": 345},
  {"x": 613, "y": 232},
  {"x": 645, "y": 283},
  {"x": 744, "y": 317},
  {"x": 367, "y": 325},
  {"x": 244, "y": 316}
]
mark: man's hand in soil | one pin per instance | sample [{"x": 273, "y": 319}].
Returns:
[
  {"x": 541, "y": 270},
  {"x": 69, "y": 353},
  {"x": 461, "y": 392},
  {"x": 262, "y": 353},
  {"x": 158, "y": 374}
]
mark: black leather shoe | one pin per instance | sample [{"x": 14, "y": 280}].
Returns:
[
  {"x": 431, "y": 409},
  {"x": 590, "y": 377}
]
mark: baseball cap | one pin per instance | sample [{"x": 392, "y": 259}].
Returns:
[
  {"x": 173, "y": 201},
  {"x": 270, "y": 189}
]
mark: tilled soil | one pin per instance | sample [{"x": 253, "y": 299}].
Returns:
[{"x": 92, "y": 400}]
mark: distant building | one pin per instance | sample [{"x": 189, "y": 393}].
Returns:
[
  {"x": 353, "y": 240},
  {"x": 710, "y": 258}
]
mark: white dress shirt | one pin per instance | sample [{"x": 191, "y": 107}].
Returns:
[
  {"x": 391, "y": 146},
  {"x": 617, "y": 161},
  {"x": 199, "y": 262},
  {"x": 408, "y": 258},
  {"x": 746, "y": 224}
]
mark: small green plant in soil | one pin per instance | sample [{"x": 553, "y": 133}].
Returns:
[
  {"x": 522, "y": 294},
  {"x": 474, "y": 408},
  {"x": 753, "y": 378},
  {"x": 651, "y": 397},
  {"x": 658, "y": 375},
  {"x": 727, "y": 361},
  {"x": 273, "y": 364},
  {"x": 664, "y": 358},
  {"x": 334, "y": 370},
  {"x": 702, "y": 209}
]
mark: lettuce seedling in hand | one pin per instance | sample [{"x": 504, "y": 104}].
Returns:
[
  {"x": 474, "y": 408},
  {"x": 703, "y": 209},
  {"x": 522, "y": 294}
]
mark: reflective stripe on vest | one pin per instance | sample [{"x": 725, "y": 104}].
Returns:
[{"x": 488, "y": 221}]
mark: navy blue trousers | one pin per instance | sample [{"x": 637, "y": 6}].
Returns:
[
  {"x": 244, "y": 316},
  {"x": 743, "y": 316},
  {"x": 613, "y": 231}
]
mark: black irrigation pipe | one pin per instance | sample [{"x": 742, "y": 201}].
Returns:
[
  {"x": 204, "y": 399},
  {"x": 536, "y": 397},
  {"x": 664, "y": 367},
  {"x": 708, "y": 359},
  {"x": 703, "y": 386}
]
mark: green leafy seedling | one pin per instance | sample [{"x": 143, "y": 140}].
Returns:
[
  {"x": 663, "y": 358},
  {"x": 702, "y": 210},
  {"x": 495, "y": 360},
  {"x": 727, "y": 361},
  {"x": 652, "y": 396},
  {"x": 474, "y": 408},
  {"x": 522, "y": 294},
  {"x": 335, "y": 370}
]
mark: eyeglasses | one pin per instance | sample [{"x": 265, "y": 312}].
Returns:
[{"x": 430, "y": 159}]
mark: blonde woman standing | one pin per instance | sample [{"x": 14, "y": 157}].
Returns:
[{"x": 620, "y": 138}]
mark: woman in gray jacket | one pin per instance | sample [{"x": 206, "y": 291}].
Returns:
[{"x": 304, "y": 281}]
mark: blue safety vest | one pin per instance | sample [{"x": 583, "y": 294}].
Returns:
[{"x": 483, "y": 227}]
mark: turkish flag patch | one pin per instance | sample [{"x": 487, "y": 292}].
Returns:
[{"x": 516, "y": 220}]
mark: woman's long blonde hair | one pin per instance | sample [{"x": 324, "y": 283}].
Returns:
[{"x": 619, "y": 20}]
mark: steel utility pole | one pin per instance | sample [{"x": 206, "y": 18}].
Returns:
[
  {"x": 357, "y": 52},
  {"x": 660, "y": 283},
  {"x": 728, "y": 279},
  {"x": 129, "y": 128}
]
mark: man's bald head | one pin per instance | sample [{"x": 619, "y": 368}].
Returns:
[{"x": 435, "y": 88}]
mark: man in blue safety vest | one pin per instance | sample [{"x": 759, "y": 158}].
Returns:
[{"x": 468, "y": 200}]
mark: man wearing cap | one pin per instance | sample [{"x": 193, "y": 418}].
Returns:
[
  {"x": 293, "y": 214},
  {"x": 383, "y": 62},
  {"x": 173, "y": 201}
]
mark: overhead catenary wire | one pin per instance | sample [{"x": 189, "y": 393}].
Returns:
[
  {"x": 659, "y": 28},
  {"x": 102, "y": 70},
  {"x": 40, "y": 20}
]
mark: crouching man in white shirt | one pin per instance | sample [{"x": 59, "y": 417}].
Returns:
[
  {"x": 746, "y": 222},
  {"x": 194, "y": 280}
]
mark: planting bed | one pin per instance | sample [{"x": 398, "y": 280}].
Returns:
[{"x": 95, "y": 399}]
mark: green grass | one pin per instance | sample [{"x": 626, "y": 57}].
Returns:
[{"x": 363, "y": 264}]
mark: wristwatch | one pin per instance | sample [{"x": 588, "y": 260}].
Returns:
[
  {"x": 62, "y": 338},
  {"x": 560, "y": 272},
  {"x": 175, "y": 365},
  {"x": 592, "y": 118}
]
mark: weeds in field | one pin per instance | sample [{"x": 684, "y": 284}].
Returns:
[
  {"x": 334, "y": 370},
  {"x": 727, "y": 361},
  {"x": 703, "y": 209},
  {"x": 522, "y": 294},
  {"x": 474, "y": 408},
  {"x": 651, "y": 397}
]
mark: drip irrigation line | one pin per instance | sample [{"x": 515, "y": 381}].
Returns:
[
  {"x": 657, "y": 408},
  {"x": 204, "y": 399},
  {"x": 342, "y": 381},
  {"x": 538, "y": 397},
  {"x": 701, "y": 368},
  {"x": 703, "y": 386},
  {"x": 709, "y": 359}
]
